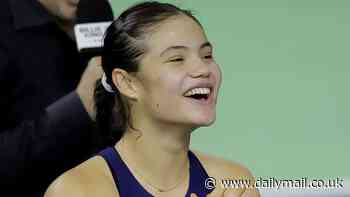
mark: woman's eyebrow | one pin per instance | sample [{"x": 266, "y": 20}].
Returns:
[
  {"x": 206, "y": 44},
  {"x": 173, "y": 48},
  {"x": 180, "y": 47}
]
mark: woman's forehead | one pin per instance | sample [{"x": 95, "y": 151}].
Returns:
[{"x": 177, "y": 31}]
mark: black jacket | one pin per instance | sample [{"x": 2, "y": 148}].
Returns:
[{"x": 44, "y": 128}]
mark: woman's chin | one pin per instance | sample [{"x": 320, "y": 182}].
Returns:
[{"x": 204, "y": 122}]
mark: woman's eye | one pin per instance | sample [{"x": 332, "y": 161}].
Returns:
[{"x": 176, "y": 60}]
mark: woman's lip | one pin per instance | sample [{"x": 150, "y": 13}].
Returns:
[
  {"x": 202, "y": 85},
  {"x": 208, "y": 101}
]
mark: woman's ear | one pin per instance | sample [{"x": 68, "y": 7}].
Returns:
[{"x": 125, "y": 83}]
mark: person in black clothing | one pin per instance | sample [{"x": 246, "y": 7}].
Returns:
[{"x": 46, "y": 95}]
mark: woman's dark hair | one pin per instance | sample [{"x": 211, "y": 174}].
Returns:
[{"x": 122, "y": 49}]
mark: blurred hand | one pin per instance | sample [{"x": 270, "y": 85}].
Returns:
[{"x": 86, "y": 86}]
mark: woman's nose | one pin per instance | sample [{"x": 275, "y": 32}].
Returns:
[{"x": 200, "y": 69}]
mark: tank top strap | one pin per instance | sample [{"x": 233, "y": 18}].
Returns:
[
  {"x": 124, "y": 180},
  {"x": 198, "y": 177}
]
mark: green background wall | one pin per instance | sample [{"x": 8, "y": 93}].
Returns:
[{"x": 284, "y": 104}]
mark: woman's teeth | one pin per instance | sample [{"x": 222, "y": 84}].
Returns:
[{"x": 198, "y": 91}]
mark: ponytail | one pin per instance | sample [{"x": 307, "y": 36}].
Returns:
[{"x": 110, "y": 115}]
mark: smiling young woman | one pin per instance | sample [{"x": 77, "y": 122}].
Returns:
[{"x": 160, "y": 83}]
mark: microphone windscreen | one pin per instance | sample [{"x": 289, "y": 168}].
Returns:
[
  {"x": 92, "y": 11},
  {"x": 93, "y": 18}
]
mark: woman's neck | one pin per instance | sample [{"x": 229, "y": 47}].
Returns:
[{"x": 160, "y": 157}]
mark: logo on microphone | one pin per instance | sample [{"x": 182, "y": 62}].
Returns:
[{"x": 90, "y": 35}]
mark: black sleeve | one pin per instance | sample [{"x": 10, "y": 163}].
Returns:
[
  {"x": 56, "y": 140},
  {"x": 45, "y": 146}
]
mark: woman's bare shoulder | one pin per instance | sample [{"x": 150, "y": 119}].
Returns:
[{"x": 89, "y": 179}]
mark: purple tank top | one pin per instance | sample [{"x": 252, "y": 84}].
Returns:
[{"x": 128, "y": 186}]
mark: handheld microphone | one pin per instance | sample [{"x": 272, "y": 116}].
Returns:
[{"x": 93, "y": 18}]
